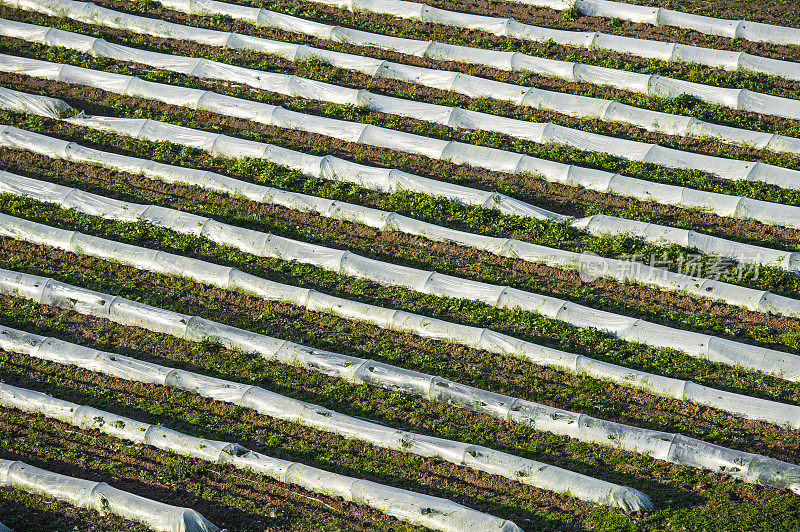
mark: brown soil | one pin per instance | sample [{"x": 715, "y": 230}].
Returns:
[
  {"x": 555, "y": 19},
  {"x": 275, "y": 438},
  {"x": 33, "y": 513},
  {"x": 141, "y": 470},
  {"x": 358, "y": 80},
  {"x": 256, "y": 503},
  {"x": 780, "y": 12},
  {"x": 193, "y": 414}
]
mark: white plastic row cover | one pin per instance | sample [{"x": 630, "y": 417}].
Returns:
[
  {"x": 22, "y": 102},
  {"x": 431, "y": 512},
  {"x": 475, "y": 337},
  {"x": 453, "y": 151},
  {"x": 508, "y": 27},
  {"x": 661, "y": 16},
  {"x": 329, "y": 167},
  {"x": 570, "y": 104},
  {"x": 673, "y": 448},
  {"x": 598, "y": 224},
  {"x": 453, "y": 117},
  {"x": 658, "y": 85},
  {"x": 388, "y": 180},
  {"x": 4, "y": 528},
  {"x": 291, "y": 410},
  {"x": 102, "y": 498},
  {"x": 778, "y": 363}
]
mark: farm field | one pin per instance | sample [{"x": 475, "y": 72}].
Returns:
[{"x": 462, "y": 266}]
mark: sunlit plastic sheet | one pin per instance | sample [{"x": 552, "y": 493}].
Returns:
[
  {"x": 508, "y": 27},
  {"x": 32, "y": 104},
  {"x": 133, "y": 313},
  {"x": 390, "y": 180},
  {"x": 102, "y": 498},
  {"x": 597, "y": 224},
  {"x": 657, "y": 444},
  {"x": 432, "y": 512},
  {"x": 278, "y": 406},
  {"x": 469, "y": 85},
  {"x": 457, "y": 152},
  {"x": 734, "y": 29}
]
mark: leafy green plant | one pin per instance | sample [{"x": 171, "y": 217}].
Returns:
[{"x": 572, "y": 13}]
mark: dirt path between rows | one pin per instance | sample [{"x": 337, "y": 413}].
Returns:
[
  {"x": 780, "y": 12},
  {"x": 556, "y": 19},
  {"x": 193, "y": 414},
  {"x": 461, "y": 36},
  {"x": 207, "y": 488}
]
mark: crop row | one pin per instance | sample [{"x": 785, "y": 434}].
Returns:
[
  {"x": 370, "y": 21},
  {"x": 404, "y": 250},
  {"x": 258, "y": 315},
  {"x": 15, "y": 162},
  {"x": 459, "y": 311},
  {"x": 495, "y": 138},
  {"x": 684, "y": 497},
  {"x": 683, "y": 105},
  {"x": 574, "y": 20},
  {"x": 298, "y": 138}
]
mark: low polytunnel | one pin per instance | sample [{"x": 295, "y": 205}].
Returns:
[
  {"x": 674, "y": 448},
  {"x": 284, "y": 408},
  {"x": 774, "y": 362},
  {"x": 424, "y": 510},
  {"x": 102, "y": 498}
]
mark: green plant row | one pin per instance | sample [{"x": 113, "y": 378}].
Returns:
[
  {"x": 722, "y": 8},
  {"x": 684, "y": 105},
  {"x": 677, "y": 489},
  {"x": 435, "y": 210},
  {"x": 186, "y": 413},
  {"x": 189, "y": 480},
  {"x": 31, "y": 512},
  {"x": 414, "y": 29},
  {"x": 319, "y": 71},
  {"x": 524, "y": 324},
  {"x": 629, "y": 210},
  {"x": 681, "y": 177}
]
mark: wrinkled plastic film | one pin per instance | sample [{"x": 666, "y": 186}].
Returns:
[
  {"x": 295, "y": 411},
  {"x": 131, "y": 313},
  {"x": 660, "y": 445},
  {"x": 292, "y": 85},
  {"x": 622, "y": 270},
  {"x": 778, "y": 363},
  {"x": 457, "y": 152},
  {"x": 573, "y": 105},
  {"x": 658, "y": 16},
  {"x": 432, "y": 512},
  {"x": 342, "y": 170},
  {"x": 507, "y": 27},
  {"x": 102, "y": 498},
  {"x": 597, "y": 224}
]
